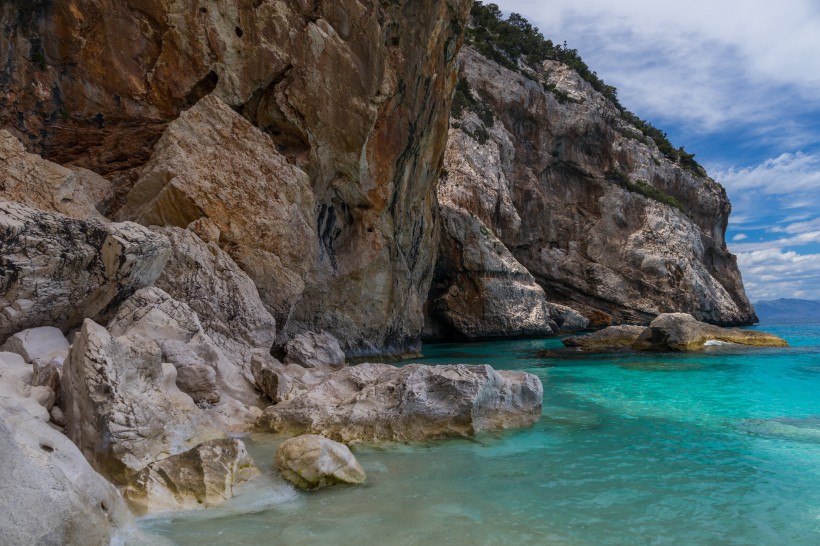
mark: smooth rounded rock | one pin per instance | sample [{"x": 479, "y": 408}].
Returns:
[{"x": 311, "y": 461}]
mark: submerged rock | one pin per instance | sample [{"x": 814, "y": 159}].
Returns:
[
  {"x": 312, "y": 462},
  {"x": 202, "y": 477},
  {"x": 56, "y": 270},
  {"x": 122, "y": 406},
  {"x": 682, "y": 332},
  {"x": 378, "y": 402},
  {"x": 610, "y": 337},
  {"x": 671, "y": 332}
]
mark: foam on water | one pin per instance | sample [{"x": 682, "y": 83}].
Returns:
[{"x": 718, "y": 447}]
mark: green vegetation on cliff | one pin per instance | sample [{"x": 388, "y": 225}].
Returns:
[{"x": 514, "y": 42}]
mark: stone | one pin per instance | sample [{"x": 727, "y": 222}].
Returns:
[
  {"x": 611, "y": 337},
  {"x": 282, "y": 382},
  {"x": 202, "y": 477},
  {"x": 152, "y": 316},
  {"x": 566, "y": 318},
  {"x": 43, "y": 345},
  {"x": 51, "y": 495},
  {"x": 56, "y": 271},
  {"x": 314, "y": 350},
  {"x": 16, "y": 390},
  {"x": 603, "y": 221},
  {"x": 224, "y": 298},
  {"x": 31, "y": 180},
  {"x": 682, "y": 332},
  {"x": 122, "y": 406},
  {"x": 263, "y": 211},
  {"x": 479, "y": 290},
  {"x": 313, "y": 462},
  {"x": 379, "y": 402}
]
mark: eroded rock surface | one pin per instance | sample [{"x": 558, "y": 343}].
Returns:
[
  {"x": 592, "y": 209},
  {"x": 152, "y": 317},
  {"x": 313, "y": 462},
  {"x": 123, "y": 408},
  {"x": 378, "y": 402},
  {"x": 480, "y": 290},
  {"x": 56, "y": 271},
  {"x": 202, "y": 477},
  {"x": 51, "y": 495},
  {"x": 314, "y": 350}
]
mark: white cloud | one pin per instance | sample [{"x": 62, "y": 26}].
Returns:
[
  {"x": 785, "y": 242},
  {"x": 740, "y": 237},
  {"x": 792, "y": 172},
  {"x": 773, "y": 273},
  {"x": 706, "y": 64}
]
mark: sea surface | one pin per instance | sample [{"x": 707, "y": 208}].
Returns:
[{"x": 719, "y": 447}]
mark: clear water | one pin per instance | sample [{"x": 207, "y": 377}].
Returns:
[{"x": 721, "y": 447}]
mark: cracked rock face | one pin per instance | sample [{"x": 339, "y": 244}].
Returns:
[
  {"x": 558, "y": 181},
  {"x": 378, "y": 402},
  {"x": 56, "y": 270},
  {"x": 355, "y": 94},
  {"x": 122, "y": 406}
]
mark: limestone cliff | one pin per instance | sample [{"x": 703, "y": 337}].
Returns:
[
  {"x": 587, "y": 203},
  {"x": 354, "y": 93}
]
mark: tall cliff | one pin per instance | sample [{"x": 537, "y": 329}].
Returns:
[
  {"x": 351, "y": 98},
  {"x": 592, "y": 201}
]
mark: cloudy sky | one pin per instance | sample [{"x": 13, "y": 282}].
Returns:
[{"x": 737, "y": 82}]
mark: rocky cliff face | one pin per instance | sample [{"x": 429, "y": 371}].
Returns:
[
  {"x": 601, "y": 218},
  {"x": 353, "y": 93}
]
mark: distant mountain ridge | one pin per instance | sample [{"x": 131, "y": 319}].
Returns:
[{"x": 787, "y": 308}]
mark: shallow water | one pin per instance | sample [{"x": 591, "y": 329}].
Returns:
[{"x": 721, "y": 447}]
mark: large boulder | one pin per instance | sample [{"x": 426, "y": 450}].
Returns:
[
  {"x": 202, "y": 477},
  {"x": 17, "y": 391},
  {"x": 51, "y": 495},
  {"x": 33, "y": 181},
  {"x": 43, "y": 345},
  {"x": 682, "y": 332},
  {"x": 314, "y": 350},
  {"x": 479, "y": 289},
  {"x": 122, "y": 406},
  {"x": 311, "y": 461},
  {"x": 263, "y": 210},
  {"x": 56, "y": 271},
  {"x": 377, "y": 402},
  {"x": 224, "y": 298},
  {"x": 611, "y": 337},
  {"x": 203, "y": 370}
]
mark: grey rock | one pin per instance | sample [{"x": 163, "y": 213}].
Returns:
[
  {"x": 223, "y": 296},
  {"x": 314, "y": 350},
  {"x": 313, "y": 462},
  {"x": 122, "y": 406},
  {"x": 377, "y": 402},
  {"x": 202, "y": 477},
  {"x": 199, "y": 382},
  {"x": 152, "y": 316},
  {"x": 56, "y": 270},
  {"x": 43, "y": 344},
  {"x": 567, "y": 185},
  {"x": 51, "y": 495}
]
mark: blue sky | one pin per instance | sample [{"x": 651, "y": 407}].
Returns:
[{"x": 737, "y": 82}]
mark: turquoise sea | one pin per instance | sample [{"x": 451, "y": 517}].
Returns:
[{"x": 720, "y": 447}]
